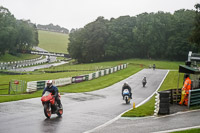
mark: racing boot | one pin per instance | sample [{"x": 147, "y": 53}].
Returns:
[{"x": 131, "y": 96}]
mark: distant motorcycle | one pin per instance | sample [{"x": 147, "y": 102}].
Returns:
[
  {"x": 154, "y": 66},
  {"x": 144, "y": 81},
  {"x": 50, "y": 105},
  {"x": 126, "y": 96}
]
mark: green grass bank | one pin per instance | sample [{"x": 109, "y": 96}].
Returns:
[
  {"x": 18, "y": 57},
  {"x": 53, "y": 41}
]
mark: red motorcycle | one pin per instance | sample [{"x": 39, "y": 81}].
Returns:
[{"x": 50, "y": 105}]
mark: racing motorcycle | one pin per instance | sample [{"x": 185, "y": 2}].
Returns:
[
  {"x": 50, "y": 105},
  {"x": 144, "y": 82},
  {"x": 126, "y": 96}
]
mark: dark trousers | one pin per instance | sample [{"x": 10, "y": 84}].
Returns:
[{"x": 58, "y": 100}]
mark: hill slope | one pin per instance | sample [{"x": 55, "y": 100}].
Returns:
[{"x": 53, "y": 42}]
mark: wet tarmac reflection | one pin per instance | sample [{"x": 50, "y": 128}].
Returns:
[{"x": 50, "y": 125}]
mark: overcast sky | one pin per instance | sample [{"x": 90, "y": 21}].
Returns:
[{"x": 78, "y": 13}]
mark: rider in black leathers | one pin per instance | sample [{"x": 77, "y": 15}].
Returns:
[{"x": 126, "y": 86}]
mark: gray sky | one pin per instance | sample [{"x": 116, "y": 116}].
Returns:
[{"x": 77, "y": 13}]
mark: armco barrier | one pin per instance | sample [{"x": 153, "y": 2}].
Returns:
[
  {"x": 194, "y": 97},
  {"x": 78, "y": 79},
  {"x": 93, "y": 75},
  {"x": 31, "y": 86},
  {"x": 90, "y": 76},
  {"x": 17, "y": 64},
  {"x": 86, "y": 77},
  {"x": 35, "y": 85},
  {"x": 62, "y": 81},
  {"x": 41, "y": 85}
]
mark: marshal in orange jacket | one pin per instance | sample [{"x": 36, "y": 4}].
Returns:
[{"x": 187, "y": 85}]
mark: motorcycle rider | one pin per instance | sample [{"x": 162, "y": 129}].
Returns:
[
  {"x": 144, "y": 81},
  {"x": 154, "y": 66},
  {"x": 53, "y": 90},
  {"x": 126, "y": 86}
]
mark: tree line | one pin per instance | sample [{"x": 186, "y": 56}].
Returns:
[
  {"x": 158, "y": 35},
  {"x": 53, "y": 28},
  {"x": 16, "y": 34}
]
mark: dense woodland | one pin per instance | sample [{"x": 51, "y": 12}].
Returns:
[
  {"x": 158, "y": 35},
  {"x": 16, "y": 34},
  {"x": 53, "y": 28}
]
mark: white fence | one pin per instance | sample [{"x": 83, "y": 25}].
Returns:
[{"x": 19, "y": 64}]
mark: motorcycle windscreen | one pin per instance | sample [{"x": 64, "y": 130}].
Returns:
[{"x": 46, "y": 93}]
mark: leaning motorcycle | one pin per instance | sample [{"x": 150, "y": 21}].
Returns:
[
  {"x": 50, "y": 105},
  {"x": 126, "y": 96}
]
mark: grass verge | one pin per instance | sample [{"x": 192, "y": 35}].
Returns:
[
  {"x": 19, "y": 57},
  {"x": 195, "y": 130}
]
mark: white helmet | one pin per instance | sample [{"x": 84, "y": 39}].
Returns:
[{"x": 49, "y": 83}]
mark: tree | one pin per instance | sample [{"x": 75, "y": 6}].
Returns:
[
  {"x": 16, "y": 34},
  {"x": 54, "y": 28},
  {"x": 8, "y": 31},
  {"x": 195, "y": 37},
  {"x": 75, "y": 48},
  {"x": 148, "y": 35},
  {"x": 27, "y": 35},
  {"x": 179, "y": 43},
  {"x": 87, "y": 44},
  {"x": 120, "y": 39}
]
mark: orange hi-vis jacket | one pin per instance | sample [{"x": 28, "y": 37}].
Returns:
[{"x": 187, "y": 85}]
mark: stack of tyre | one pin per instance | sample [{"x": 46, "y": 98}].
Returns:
[{"x": 164, "y": 107}]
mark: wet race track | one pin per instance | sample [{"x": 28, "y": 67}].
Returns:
[{"x": 82, "y": 111}]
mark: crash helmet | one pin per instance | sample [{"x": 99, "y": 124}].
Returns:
[
  {"x": 126, "y": 83},
  {"x": 49, "y": 83}
]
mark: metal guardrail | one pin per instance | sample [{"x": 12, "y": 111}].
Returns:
[
  {"x": 49, "y": 53},
  {"x": 194, "y": 97}
]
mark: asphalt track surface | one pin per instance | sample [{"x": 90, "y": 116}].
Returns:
[
  {"x": 33, "y": 68},
  {"x": 83, "y": 112},
  {"x": 169, "y": 123}
]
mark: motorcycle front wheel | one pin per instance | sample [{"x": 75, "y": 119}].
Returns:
[
  {"x": 60, "y": 111},
  {"x": 47, "y": 110}
]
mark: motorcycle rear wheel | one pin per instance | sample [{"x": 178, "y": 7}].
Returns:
[
  {"x": 127, "y": 101},
  {"x": 47, "y": 110}
]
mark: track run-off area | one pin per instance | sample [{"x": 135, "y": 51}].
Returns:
[{"x": 96, "y": 111}]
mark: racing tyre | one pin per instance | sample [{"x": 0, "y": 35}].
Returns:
[
  {"x": 47, "y": 110},
  {"x": 60, "y": 111}
]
